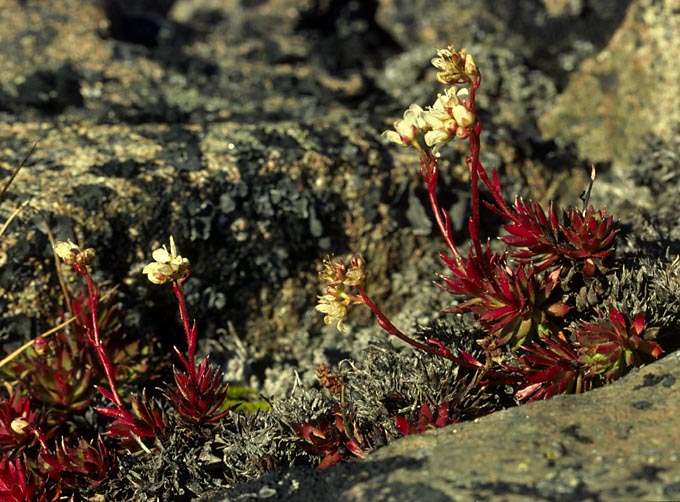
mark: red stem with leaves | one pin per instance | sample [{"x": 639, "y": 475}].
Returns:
[
  {"x": 95, "y": 337},
  {"x": 189, "y": 331}
]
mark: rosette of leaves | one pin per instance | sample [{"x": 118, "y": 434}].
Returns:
[
  {"x": 335, "y": 439},
  {"x": 583, "y": 239},
  {"x": 198, "y": 394},
  {"x": 513, "y": 306},
  {"x": 19, "y": 420},
  {"x": 145, "y": 421},
  {"x": 80, "y": 465},
  {"x": 550, "y": 367},
  {"x": 62, "y": 370},
  {"x": 597, "y": 353},
  {"x": 17, "y": 485},
  {"x": 57, "y": 373},
  {"x": 614, "y": 345},
  {"x": 426, "y": 419}
]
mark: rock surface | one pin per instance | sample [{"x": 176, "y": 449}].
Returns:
[
  {"x": 250, "y": 131},
  {"x": 617, "y": 443},
  {"x": 624, "y": 92}
]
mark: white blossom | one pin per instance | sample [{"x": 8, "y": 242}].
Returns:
[
  {"x": 167, "y": 265},
  {"x": 409, "y": 129}
]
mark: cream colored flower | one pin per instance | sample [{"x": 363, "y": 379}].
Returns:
[
  {"x": 67, "y": 251},
  {"x": 450, "y": 64},
  {"x": 463, "y": 117},
  {"x": 448, "y": 118},
  {"x": 441, "y": 120},
  {"x": 409, "y": 129},
  {"x": 455, "y": 67},
  {"x": 71, "y": 253},
  {"x": 340, "y": 282},
  {"x": 334, "y": 309},
  {"x": 333, "y": 271},
  {"x": 167, "y": 265}
]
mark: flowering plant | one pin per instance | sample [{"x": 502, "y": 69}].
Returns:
[
  {"x": 533, "y": 335},
  {"x": 55, "y": 378}
]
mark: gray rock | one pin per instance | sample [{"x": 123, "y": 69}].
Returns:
[
  {"x": 616, "y": 443},
  {"x": 625, "y": 91}
]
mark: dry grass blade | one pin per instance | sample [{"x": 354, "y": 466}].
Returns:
[
  {"x": 18, "y": 209},
  {"x": 17, "y": 169},
  {"x": 11, "y": 217}
]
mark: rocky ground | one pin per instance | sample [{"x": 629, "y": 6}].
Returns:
[
  {"x": 614, "y": 443},
  {"x": 250, "y": 130}
]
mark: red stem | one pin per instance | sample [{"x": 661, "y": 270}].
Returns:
[
  {"x": 477, "y": 171},
  {"x": 95, "y": 338},
  {"x": 387, "y": 325},
  {"x": 189, "y": 332},
  {"x": 475, "y": 166},
  {"x": 440, "y": 215}
]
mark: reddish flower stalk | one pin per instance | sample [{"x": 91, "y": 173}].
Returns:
[
  {"x": 475, "y": 167},
  {"x": 80, "y": 259},
  {"x": 189, "y": 332},
  {"x": 386, "y": 324},
  {"x": 465, "y": 359},
  {"x": 95, "y": 337},
  {"x": 145, "y": 419},
  {"x": 198, "y": 392},
  {"x": 429, "y": 172}
]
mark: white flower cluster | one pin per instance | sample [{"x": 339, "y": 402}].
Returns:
[{"x": 451, "y": 115}]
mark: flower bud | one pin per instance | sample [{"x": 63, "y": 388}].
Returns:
[
  {"x": 71, "y": 254},
  {"x": 41, "y": 345},
  {"x": 470, "y": 66}
]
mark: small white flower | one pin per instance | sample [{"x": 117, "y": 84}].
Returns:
[
  {"x": 447, "y": 118},
  {"x": 437, "y": 138},
  {"x": 455, "y": 67},
  {"x": 67, "y": 251},
  {"x": 463, "y": 116},
  {"x": 409, "y": 129},
  {"x": 448, "y": 62},
  {"x": 440, "y": 119},
  {"x": 167, "y": 265}
]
